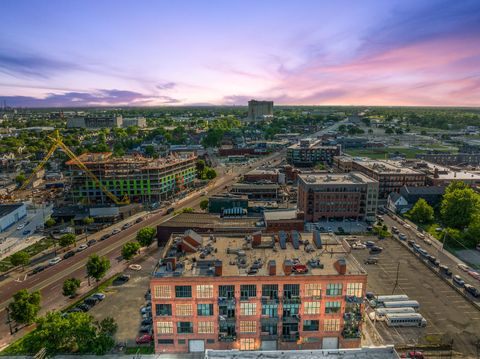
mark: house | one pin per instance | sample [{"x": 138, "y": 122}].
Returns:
[
  {"x": 408, "y": 196},
  {"x": 396, "y": 203}
]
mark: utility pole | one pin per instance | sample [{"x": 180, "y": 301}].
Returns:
[
  {"x": 396, "y": 280},
  {"x": 9, "y": 320}
]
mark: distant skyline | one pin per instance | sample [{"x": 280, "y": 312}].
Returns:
[{"x": 149, "y": 53}]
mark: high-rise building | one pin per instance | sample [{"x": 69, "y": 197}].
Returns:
[
  {"x": 324, "y": 196},
  {"x": 259, "y": 110},
  {"x": 252, "y": 292}
]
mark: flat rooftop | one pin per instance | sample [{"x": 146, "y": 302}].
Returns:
[
  {"x": 446, "y": 173},
  {"x": 207, "y": 220},
  {"x": 387, "y": 167},
  {"x": 240, "y": 257},
  {"x": 9, "y": 208},
  {"x": 313, "y": 144},
  {"x": 92, "y": 158},
  {"x": 335, "y": 178}
]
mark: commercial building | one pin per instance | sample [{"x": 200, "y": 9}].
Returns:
[
  {"x": 308, "y": 153},
  {"x": 264, "y": 175},
  {"x": 140, "y": 179},
  {"x": 11, "y": 214},
  {"x": 283, "y": 220},
  {"x": 449, "y": 159},
  {"x": 339, "y": 196},
  {"x": 105, "y": 122},
  {"x": 437, "y": 175},
  {"x": 257, "y": 191},
  {"x": 259, "y": 110},
  {"x": 391, "y": 175},
  {"x": 251, "y": 292},
  {"x": 220, "y": 203}
]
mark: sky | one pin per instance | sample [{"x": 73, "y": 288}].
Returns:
[{"x": 79, "y": 53}]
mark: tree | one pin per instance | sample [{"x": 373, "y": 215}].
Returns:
[
  {"x": 129, "y": 249},
  {"x": 88, "y": 221},
  {"x": 67, "y": 240},
  {"x": 145, "y": 236},
  {"x": 50, "y": 222},
  {"x": 422, "y": 212},
  {"x": 204, "y": 204},
  {"x": 20, "y": 258},
  {"x": 455, "y": 185},
  {"x": 97, "y": 267},
  {"x": 20, "y": 179},
  {"x": 25, "y": 306},
  {"x": 458, "y": 207},
  {"x": 471, "y": 236},
  {"x": 150, "y": 150},
  {"x": 210, "y": 173},
  {"x": 70, "y": 287}
]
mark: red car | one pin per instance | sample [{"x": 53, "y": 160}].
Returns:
[
  {"x": 144, "y": 339},
  {"x": 300, "y": 268},
  {"x": 412, "y": 354}
]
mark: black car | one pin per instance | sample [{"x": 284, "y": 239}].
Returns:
[
  {"x": 170, "y": 210},
  {"x": 105, "y": 236},
  {"x": 91, "y": 301},
  {"x": 124, "y": 278},
  {"x": 445, "y": 270},
  {"x": 147, "y": 321},
  {"x": 375, "y": 250},
  {"x": 91, "y": 242},
  {"x": 138, "y": 220},
  {"x": 472, "y": 290},
  {"x": 38, "y": 269},
  {"x": 145, "y": 329},
  {"x": 84, "y": 307},
  {"x": 68, "y": 254}
]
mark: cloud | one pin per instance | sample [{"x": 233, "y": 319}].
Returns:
[
  {"x": 166, "y": 86},
  {"x": 101, "y": 97},
  {"x": 29, "y": 65}
]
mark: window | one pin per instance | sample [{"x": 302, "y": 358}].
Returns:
[
  {"x": 248, "y": 291},
  {"x": 247, "y": 344},
  {"x": 205, "y": 328},
  {"x": 331, "y": 325},
  {"x": 204, "y": 310},
  {"x": 248, "y": 308},
  {"x": 291, "y": 290},
  {"x": 355, "y": 289},
  {"x": 270, "y": 310},
  {"x": 290, "y": 310},
  {"x": 182, "y": 341},
  {"x": 162, "y": 291},
  {"x": 184, "y": 327},
  {"x": 183, "y": 310},
  {"x": 183, "y": 291},
  {"x": 270, "y": 291},
  {"x": 311, "y": 308},
  {"x": 334, "y": 289},
  {"x": 204, "y": 291},
  {"x": 163, "y": 309},
  {"x": 210, "y": 341},
  {"x": 313, "y": 290},
  {"x": 165, "y": 341},
  {"x": 332, "y": 307},
  {"x": 311, "y": 325},
  {"x": 248, "y": 327},
  {"x": 165, "y": 327}
]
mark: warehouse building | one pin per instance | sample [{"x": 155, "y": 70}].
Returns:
[{"x": 11, "y": 214}]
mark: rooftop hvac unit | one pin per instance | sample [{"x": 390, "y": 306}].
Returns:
[
  {"x": 295, "y": 239},
  {"x": 283, "y": 239}
]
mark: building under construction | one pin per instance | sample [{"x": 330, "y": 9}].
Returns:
[{"x": 140, "y": 179}]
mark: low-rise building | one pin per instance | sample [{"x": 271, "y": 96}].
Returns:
[
  {"x": 11, "y": 214},
  {"x": 219, "y": 203},
  {"x": 284, "y": 220},
  {"x": 408, "y": 196},
  {"x": 308, "y": 153},
  {"x": 251, "y": 292},
  {"x": 324, "y": 196},
  {"x": 257, "y": 191},
  {"x": 263, "y": 175}
]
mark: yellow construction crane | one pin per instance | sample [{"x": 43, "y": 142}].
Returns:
[{"x": 58, "y": 143}]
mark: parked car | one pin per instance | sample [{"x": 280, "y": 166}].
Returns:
[
  {"x": 445, "y": 270},
  {"x": 68, "y": 254},
  {"x": 170, "y": 210},
  {"x": 428, "y": 241},
  {"x": 412, "y": 355},
  {"x": 99, "y": 296},
  {"x": 472, "y": 290},
  {"x": 300, "y": 268},
  {"x": 395, "y": 229},
  {"x": 411, "y": 242},
  {"x": 91, "y": 301},
  {"x": 420, "y": 235},
  {"x": 369, "y": 244},
  {"x": 135, "y": 267},
  {"x": 463, "y": 267},
  {"x": 84, "y": 307},
  {"x": 115, "y": 231},
  {"x": 371, "y": 260},
  {"x": 54, "y": 261},
  {"x": 20, "y": 226},
  {"x": 82, "y": 247},
  {"x": 126, "y": 225},
  {"x": 144, "y": 339},
  {"x": 146, "y": 329},
  {"x": 474, "y": 274},
  {"x": 458, "y": 280},
  {"x": 370, "y": 295},
  {"x": 148, "y": 321},
  {"x": 139, "y": 219},
  {"x": 25, "y": 232},
  {"x": 91, "y": 242},
  {"x": 375, "y": 250},
  {"x": 105, "y": 236},
  {"x": 358, "y": 246},
  {"x": 145, "y": 309},
  {"x": 124, "y": 278},
  {"x": 402, "y": 236},
  {"x": 407, "y": 226},
  {"x": 38, "y": 269}
]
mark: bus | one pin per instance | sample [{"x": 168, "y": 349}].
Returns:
[
  {"x": 379, "y": 314},
  {"x": 402, "y": 304},
  {"x": 379, "y": 300},
  {"x": 405, "y": 320}
]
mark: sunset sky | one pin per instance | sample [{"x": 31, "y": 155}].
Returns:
[{"x": 147, "y": 53}]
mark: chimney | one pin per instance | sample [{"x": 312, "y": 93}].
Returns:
[
  {"x": 287, "y": 266},
  {"x": 341, "y": 266},
  {"x": 257, "y": 239},
  {"x": 171, "y": 263},
  {"x": 272, "y": 267},
  {"x": 218, "y": 268}
]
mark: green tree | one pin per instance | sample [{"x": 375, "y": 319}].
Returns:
[
  {"x": 20, "y": 179},
  {"x": 471, "y": 236},
  {"x": 388, "y": 130},
  {"x": 88, "y": 221},
  {"x": 25, "y": 306},
  {"x": 20, "y": 258},
  {"x": 422, "y": 212},
  {"x": 97, "y": 267},
  {"x": 210, "y": 173},
  {"x": 458, "y": 207},
  {"x": 150, "y": 150},
  {"x": 50, "y": 222},
  {"x": 67, "y": 240},
  {"x": 204, "y": 204},
  {"x": 70, "y": 287},
  {"x": 129, "y": 249},
  {"x": 145, "y": 236},
  {"x": 456, "y": 185}
]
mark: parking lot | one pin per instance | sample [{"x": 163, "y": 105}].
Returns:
[
  {"x": 124, "y": 301},
  {"x": 450, "y": 316}
]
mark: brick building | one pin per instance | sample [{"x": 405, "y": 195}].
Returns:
[
  {"x": 339, "y": 196},
  {"x": 308, "y": 153},
  {"x": 284, "y": 220},
  {"x": 262, "y": 175},
  {"x": 256, "y": 292}
]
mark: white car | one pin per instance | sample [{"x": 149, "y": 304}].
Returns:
[
  {"x": 428, "y": 241},
  {"x": 407, "y": 226},
  {"x": 54, "y": 261},
  {"x": 421, "y": 235},
  {"x": 21, "y": 226},
  {"x": 463, "y": 267},
  {"x": 135, "y": 267},
  {"x": 358, "y": 246},
  {"x": 82, "y": 247}
]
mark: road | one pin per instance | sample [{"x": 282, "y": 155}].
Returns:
[{"x": 50, "y": 281}]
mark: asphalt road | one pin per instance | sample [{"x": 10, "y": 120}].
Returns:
[{"x": 50, "y": 281}]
